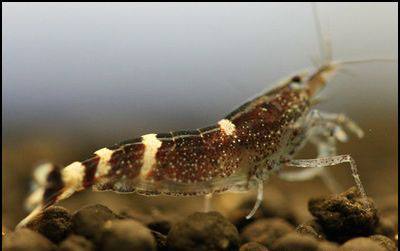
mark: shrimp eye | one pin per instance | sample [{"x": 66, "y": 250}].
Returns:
[
  {"x": 296, "y": 79},
  {"x": 296, "y": 83}
]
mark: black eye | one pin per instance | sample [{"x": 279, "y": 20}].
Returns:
[{"x": 296, "y": 79}]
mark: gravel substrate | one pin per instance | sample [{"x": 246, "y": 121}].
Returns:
[{"x": 342, "y": 222}]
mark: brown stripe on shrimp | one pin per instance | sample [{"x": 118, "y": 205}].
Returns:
[
  {"x": 180, "y": 157},
  {"x": 54, "y": 186},
  {"x": 226, "y": 146},
  {"x": 123, "y": 167},
  {"x": 40, "y": 177},
  {"x": 62, "y": 183},
  {"x": 91, "y": 166},
  {"x": 194, "y": 156}
]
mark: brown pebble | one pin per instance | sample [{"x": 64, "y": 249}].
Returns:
[
  {"x": 54, "y": 223},
  {"x": 203, "y": 232},
  {"x": 89, "y": 221},
  {"x": 127, "y": 235},
  {"x": 295, "y": 241},
  {"x": 253, "y": 246},
  {"x": 76, "y": 243},
  {"x": 384, "y": 241},
  {"x": 346, "y": 215},
  {"x": 327, "y": 246},
  {"x": 266, "y": 231},
  {"x": 361, "y": 244},
  {"x": 26, "y": 239}
]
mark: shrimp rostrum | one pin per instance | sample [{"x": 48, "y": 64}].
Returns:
[{"x": 236, "y": 154}]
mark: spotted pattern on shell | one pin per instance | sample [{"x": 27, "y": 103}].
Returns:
[{"x": 239, "y": 142}]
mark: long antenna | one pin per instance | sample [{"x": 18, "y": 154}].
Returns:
[
  {"x": 366, "y": 60},
  {"x": 318, "y": 28},
  {"x": 326, "y": 51}
]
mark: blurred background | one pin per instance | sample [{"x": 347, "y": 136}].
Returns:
[{"x": 81, "y": 76}]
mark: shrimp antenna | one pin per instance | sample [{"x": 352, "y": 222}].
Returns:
[
  {"x": 359, "y": 61},
  {"x": 325, "y": 45},
  {"x": 366, "y": 60},
  {"x": 326, "y": 51}
]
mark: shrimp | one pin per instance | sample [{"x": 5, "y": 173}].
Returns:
[{"x": 236, "y": 154}]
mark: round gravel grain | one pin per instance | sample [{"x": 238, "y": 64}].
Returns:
[
  {"x": 266, "y": 231},
  {"x": 25, "y": 239},
  {"x": 253, "y": 246},
  {"x": 384, "y": 241},
  {"x": 127, "y": 235},
  {"x": 76, "y": 243},
  {"x": 203, "y": 231},
  {"x": 361, "y": 244},
  {"x": 295, "y": 241},
  {"x": 327, "y": 246},
  {"x": 89, "y": 221},
  {"x": 54, "y": 223}
]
